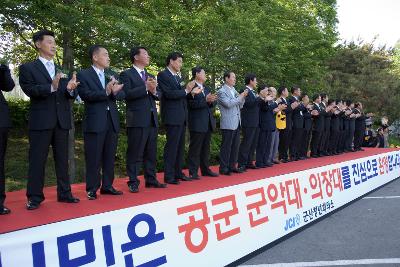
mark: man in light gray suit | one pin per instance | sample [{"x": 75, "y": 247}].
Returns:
[{"x": 230, "y": 102}]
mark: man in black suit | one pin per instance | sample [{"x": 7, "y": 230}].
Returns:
[
  {"x": 6, "y": 85},
  {"x": 100, "y": 123},
  {"x": 267, "y": 126},
  {"x": 174, "y": 116},
  {"x": 318, "y": 126},
  {"x": 201, "y": 125},
  {"x": 140, "y": 90},
  {"x": 49, "y": 119},
  {"x": 335, "y": 128},
  {"x": 250, "y": 119},
  {"x": 306, "y": 136},
  {"x": 285, "y": 134},
  {"x": 298, "y": 123},
  {"x": 326, "y": 111}
]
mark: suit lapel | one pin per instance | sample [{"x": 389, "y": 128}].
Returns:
[
  {"x": 135, "y": 75},
  {"x": 96, "y": 78},
  {"x": 173, "y": 79},
  {"x": 43, "y": 69}
]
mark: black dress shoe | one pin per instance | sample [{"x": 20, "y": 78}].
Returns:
[
  {"x": 238, "y": 170},
  {"x": 91, "y": 195},
  {"x": 269, "y": 164},
  {"x": 224, "y": 172},
  {"x": 4, "y": 210},
  {"x": 184, "y": 178},
  {"x": 110, "y": 191},
  {"x": 194, "y": 177},
  {"x": 155, "y": 185},
  {"x": 32, "y": 205},
  {"x": 69, "y": 199},
  {"x": 175, "y": 182},
  {"x": 284, "y": 161},
  {"x": 252, "y": 166},
  {"x": 133, "y": 187},
  {"x": 209, "y": 173},
  {"x": 276, "y": 162}
]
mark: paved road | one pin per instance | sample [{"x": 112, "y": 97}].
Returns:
[{"x": 365, "y": 233}]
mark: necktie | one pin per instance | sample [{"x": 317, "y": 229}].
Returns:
[
  {"x": 177, "y": 79},
  {"x": 102, "y": 80},
  {"x": 50, "y": 69},
  {"x": 143, "y": 74}
]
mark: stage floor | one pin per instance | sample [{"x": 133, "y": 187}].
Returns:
[{"x": 52, "y": 211}]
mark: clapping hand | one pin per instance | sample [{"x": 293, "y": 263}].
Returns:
[
  {"x": 314, "y": 112},
  {"x": 211, "y": 98},
  {"x": 113, "y": 86},
  {"x": 56, "y": 81},
  {"x": 151, "y": 85},
  {"x": 73, "y": 83}
]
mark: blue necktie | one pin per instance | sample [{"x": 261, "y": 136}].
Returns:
[{"x": 102, "y": 80}]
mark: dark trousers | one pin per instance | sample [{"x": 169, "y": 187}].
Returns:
[
  {"x": 3, "y": 148},
  {"x": 284, "y": 139},
  {"x": 305, "y": 142},
  {"x": 333, "y": 141},
  {"x": 315, "y": 142},
  {"x": 199, "y": 152},
  {"x": 253, "y": 147},
  {"x": 358, "y": 138},
  {"x": 348, "y": 139},
  {"x": 39, "y": 143},
  {"x": 173, "y": 152},
  {"x": 229, "y": 149},
  {"x": 341, "y": 138},
  {"x": 324, "y": 143},
  {"x": 296, "y": 143},
  {"x": 100, "y": 149},
  {"x": 142, "y": 150},
  {"x": 263, "y": 147},
  {"x": 246, "y": 146}
]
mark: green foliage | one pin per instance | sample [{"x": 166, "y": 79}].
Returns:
[
  {"x": 283, "y": 41},
  {"x": 364, "y": 73}
]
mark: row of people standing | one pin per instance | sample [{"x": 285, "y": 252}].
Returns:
[{"x": 191, "y": 105}]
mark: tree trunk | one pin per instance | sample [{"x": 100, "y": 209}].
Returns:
[{"x": 68, "y": 64}]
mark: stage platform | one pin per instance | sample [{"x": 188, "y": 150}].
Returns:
[{"x": 185, "y": 224}]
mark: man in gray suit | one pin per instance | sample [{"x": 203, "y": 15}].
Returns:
[{"x": 230, "y": 102}]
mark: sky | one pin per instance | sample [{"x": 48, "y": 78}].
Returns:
[{"x": 366, "y": 19}]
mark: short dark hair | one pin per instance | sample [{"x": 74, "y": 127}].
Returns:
[
  {"x": 330, "y": 101},
  {"x": 348, "y": 102},
  {"x": 357, "y": 104},
  {"x": 281, "y": 89},
  {"x": 304, "y": 94},
  {"x": 323, "y": 96},
  {"x": 262, "y": 87},
  {"x": 174, "y": 56},
  {"x": 94, "y": 49},
  {"x": 249, "y": 77},
  {"x": 315, "y": 97},
  {"x": 294, "y": 88},
  {"x": 227, "y": 74},
  {"x": 136, "y": 51},
  {"x": 196, "y": 70},
  {"x": 38, "y": 36}
]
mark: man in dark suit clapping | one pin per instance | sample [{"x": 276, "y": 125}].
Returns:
[
  {"x": 101, "y": 122},
  {"x": 140, "y": 90},
  {"x": 201, "y": 125},
  {"x": 6, "y": 84},
  {"x": 174, "y": 116},
  {"x": 49, "y": 119}
]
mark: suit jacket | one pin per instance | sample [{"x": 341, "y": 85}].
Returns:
[
  {"x": 250, "y": 113},
  {"x": 141, "y": 109},
  {"x": 46, "y": 108},
  {"x": 173, "y": 99},
  {"x": 297, "y": 114},
  {"x": 96, "y": 102},
  {"x": 267, "y": 117},
  {"x": 229, "y": 107},
  {"x": 327, "y": 116},
  {"x": 318, "y": 123},
  {"x": 6, "y": 85},
  {"x": 307, "y": 120},
  {"x": 201, "y": 113},
  {"x": 288, "y": 111},
  {"x": 335, "y": 122}
]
